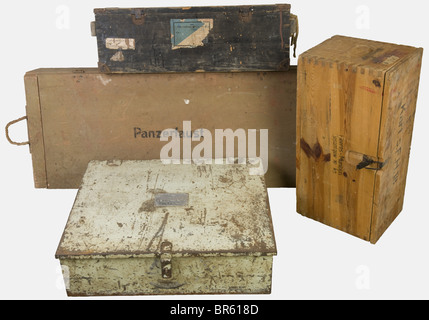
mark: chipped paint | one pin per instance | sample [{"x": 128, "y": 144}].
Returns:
[
  {"x": 192, "y": 275},
  {"x": 118, "y": 56},
  {"x": 220, "y": 240}
]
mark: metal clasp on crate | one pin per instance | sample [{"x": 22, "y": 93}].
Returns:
[
  {"x": 367, "y": 162},
  {"x": 363, "y": 161},
  {"x": 166, "y": 254},
  {"x": 294, "y": 32},
  {"x": 245, "y": 14},
  {"x": 93, "y": 29},
  {"x": 138, "y": 16}
]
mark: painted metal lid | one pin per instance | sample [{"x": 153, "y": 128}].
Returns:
[{"x": 133, "y": 208}]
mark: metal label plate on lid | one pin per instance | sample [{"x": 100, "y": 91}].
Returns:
[{"x": 171, "y": 199}]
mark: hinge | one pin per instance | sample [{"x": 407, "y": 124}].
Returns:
[
  {"x": 93, "y": 29},
  {"x": 246, "y": 11},
  {"x": 245, "y": 14},
  {"x": 166, "y": 255},
  {"x": 137, "y": 13}
]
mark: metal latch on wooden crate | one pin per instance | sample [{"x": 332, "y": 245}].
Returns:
[
  {"x": 245, "y": 13},
  {"x": 367, "y": 162},
  {"x": 166, "y": 254},
  {"x": 363, "y": 161},
  {"x": 138, "y": 16},
  {"x": 294, "y": 32}
]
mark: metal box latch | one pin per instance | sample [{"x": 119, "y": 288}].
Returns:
[
  {"x": 363, "y": 161},
  {"x": 138, "y": 16},
  {"x": 166, "y": 253},
  {"x": 245, "y": 13}
]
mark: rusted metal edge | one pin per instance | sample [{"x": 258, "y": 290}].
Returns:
[
  {"x": 78, "y": 295},
  {"x": 270, "y": 217},
  {"x": 175, "y": 254}
]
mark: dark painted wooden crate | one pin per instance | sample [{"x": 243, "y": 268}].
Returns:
[{"x": 231, "y": 38}]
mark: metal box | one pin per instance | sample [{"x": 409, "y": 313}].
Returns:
[
  {"x": 224, "y": 38},
  {"x": 78, "y": 115},
  {"x": 148, "y": 228},
  {"x": 356, "y": 106}
]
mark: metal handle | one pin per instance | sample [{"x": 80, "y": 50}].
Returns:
[
  {"x": 294, "y": 32},
  {"x": 7, "y": 132},
  {"x": 93, "y": 31}
]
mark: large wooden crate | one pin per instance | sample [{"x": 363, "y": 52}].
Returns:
[
  {"x": 356, "y": 104},
  {"x": 219, "y": 38},
  {"x": 78, "y": 115}
]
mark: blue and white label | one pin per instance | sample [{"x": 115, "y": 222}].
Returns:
[{"x": 190, "y": 33}]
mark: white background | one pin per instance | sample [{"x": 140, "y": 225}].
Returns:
[{"x": 314, "y": 261}]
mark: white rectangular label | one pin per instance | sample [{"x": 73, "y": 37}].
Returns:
[{"x": 120, "y": 43}]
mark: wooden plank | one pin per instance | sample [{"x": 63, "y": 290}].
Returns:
[
  {"x": 312, "y": 145},
  {"x": 35, "y": 130},
  {"x": 218, "y": 39},
  {"x": 399, "y": 108}
]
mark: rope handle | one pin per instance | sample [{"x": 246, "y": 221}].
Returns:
[{"x": 7, "y": 132}]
